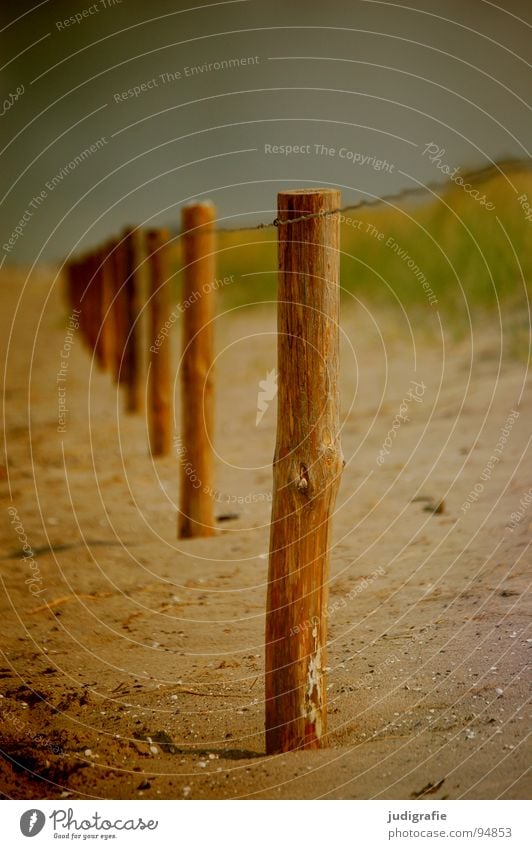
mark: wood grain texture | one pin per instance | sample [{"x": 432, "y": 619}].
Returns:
[
  {"x": 196, "y": 507},
  {"x": 307, "y": 466},
  {"x": 160, "y": 378}
]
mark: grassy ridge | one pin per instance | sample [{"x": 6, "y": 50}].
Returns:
[{"x": 404, "y": 252}]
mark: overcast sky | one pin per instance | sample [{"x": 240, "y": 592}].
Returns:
[{"x": 362, "y": 87}]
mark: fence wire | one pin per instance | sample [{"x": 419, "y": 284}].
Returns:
[{"x": 478, "y": 175}]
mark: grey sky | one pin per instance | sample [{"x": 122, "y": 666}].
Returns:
[{"x": 375, "y": 79}]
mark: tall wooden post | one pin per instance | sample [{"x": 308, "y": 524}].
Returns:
[
  {"x": 160, "y": 379},
  {"x": 132, "y": 360},
  {"x": 307, "y": 466},
  {"x": 118, "y": 310},
  {"x": 91, "y": 297},
  {"x": 98, "y": 306},
  {"x": 106, "y": 340},
  {"x": 196, "y": 506}
]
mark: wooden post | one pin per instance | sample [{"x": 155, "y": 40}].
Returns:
[
  {"x": 98, "y": 306},
  {"x": 118, "y": 311},
  {"x": 196, "y": 507},
  {"x": 132, "y": 360},
  {"x": 307, "y": 466},
  {"x": 91, "y": 299},
  {"x": 106, "y": 340},
  {"x": 160, "y": 379}
]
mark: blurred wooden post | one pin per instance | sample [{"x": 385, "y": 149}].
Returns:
[
  {"x": 106, "y": 341},
  {"x": 132, "y": 359},
  {"x": 307, "y": 466},
  {"x": 91, "y": 299},
  {"x": 118, "y": 310},
  {"x": 98, "y": 306},
  {"x": 160, "y": 380},
  {"x": 196, "y": 507}
]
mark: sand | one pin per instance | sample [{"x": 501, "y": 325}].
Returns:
[{"x": 133, "y": 663}]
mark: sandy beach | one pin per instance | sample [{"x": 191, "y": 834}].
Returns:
[{"x": 133, "y": 663}]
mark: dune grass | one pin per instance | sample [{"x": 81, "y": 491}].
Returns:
[{"x": 446, "y": 254}]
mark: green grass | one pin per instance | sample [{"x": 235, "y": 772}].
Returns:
[{"x": 457, "y": 245}]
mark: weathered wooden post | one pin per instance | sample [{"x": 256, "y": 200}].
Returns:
[
  {"x": 91, "y": 297},
  {"x": 132, "y": 358},
  {"x": 307, "y": 466},
  {"x": 196, "y": 506},
  {"x": 106, "y": 339},
  {"x": 98, "y": 306},
  {"x": 160, "y": 377},
  {"x": 118, "y": 310}
]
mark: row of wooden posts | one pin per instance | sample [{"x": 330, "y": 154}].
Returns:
[
  {"x": 110, "y": 288},
  {"x": 105, "y": 287}
]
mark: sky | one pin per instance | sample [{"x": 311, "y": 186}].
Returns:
[{"x": 118, "y": 113}]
